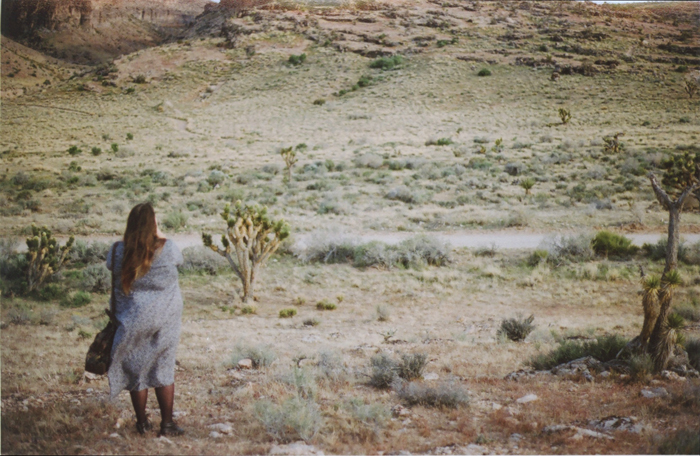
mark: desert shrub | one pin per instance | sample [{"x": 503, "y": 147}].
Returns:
[
  {"x": 294, "y": 419},
  {"x": 518, "y": 328},
  {"x": 297, "y": 59},
  {"x": 303, "y": 380},
  {"x": 484, "y": 72},
  {"x": 612, "y": 244},
  {"x": 405, "y": 195},
  {"x": 692, "y": 347},
  {"x": 684, "y": 441},
  {"x": 383, "y": 371},
  {"x": 78, "y": 299},
  {"x": 439, "y": 142},
  {"x": 216, "y": 177},
  {"x": 604, "y": 348},
  {"x": 139, "y": 79},
  {"x": 411, "y": 366},
  {"x": 387, "y": 63},
  {"x": 19, "y": 316},
  {"x": 175, "y": 220},
  {"x": 327, "y": 247},
  {"x": 51, "y": 292},
  {"x": 75, "y": 150},
  {"x": 96, "y": 151},
  {"x": 641, "y": 367},
  {"x": 95, "y": 252},
  {"x": 288, "y": 313},
  {"x": 330, "y": 363},
  {"x": 115, "y": 147},
  {"x": 248, "y": 310},
  {"x": 537, "y": 257},
  {"x": 312, "y": 322},
  {"x": 260, "y": 355},
  {"x": 574, "y": 248},
  {"x": 325, "y": 304},
  {"x": 689, "y": 310},
  {"x": 687, "y": 254},
  {"x": 421, "y": 250},
  {"x": 446, "y": 395},
  {"x": 46, "y": 317},
  {"x": 375, "y": 415},
  {"x": 96, "y": 278},
  {"x": 201, "y": 260},
  {"x": 368, "y": 161}
]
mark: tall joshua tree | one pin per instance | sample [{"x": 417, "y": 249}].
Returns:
[
  {"x": 44, "y": 255},
  {"x": 251, "y": 236},
  {"x": 681, "y": 178}
]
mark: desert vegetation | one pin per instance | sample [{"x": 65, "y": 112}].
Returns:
[{"x": 327, "y": 171}]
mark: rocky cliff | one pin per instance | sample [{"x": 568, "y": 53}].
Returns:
[{"x": 102, "y": 28}]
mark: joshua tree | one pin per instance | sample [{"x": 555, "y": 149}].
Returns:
[
  {"x": 252, "y": 236},
  {"x": 681, "y": 177},
  {"x": 565, "y": 116},
  {"x": 650, "y": 302},
  {"x": 44, "y": 255},
  {"x": 290, "y": 158},
  {"x": 612, "y": 143},
  {"x": 691, "y": 88}
]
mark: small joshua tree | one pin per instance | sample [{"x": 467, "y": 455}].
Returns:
[
  {"x": 290, "y": 158},
  {"x": 44, "y": 255},
  {"x": 252, "y": 237},
  {"x": 691, "y": 87},
  {"x": 527, "y": 184},
  {"x": 612, "y": 143},
  {"x": 564, "y": 115}
]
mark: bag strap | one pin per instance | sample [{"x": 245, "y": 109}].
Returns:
[{"x": 112, "y": 304}]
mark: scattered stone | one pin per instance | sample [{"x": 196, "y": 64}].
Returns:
[
  {"x": 670, "y": 375},
  {"x": 119, "y": 424},
  {"x": 431, "y": 376},
  {"x": 90, "y": 377},
  {"x": 224, "y": 428},
  {"x": 516, "y": 437},
  {"x": 164, "y": 440},
  {"x": 580, "y": 432},
  {"x": 294, "y": 449},
  {"x": 245, "y": 363},
  {"x": 527, "y": 398},
  {"x": 651, "y": 393},
  {"x": 473, "y": 448},
  {"x": 617, "y": 423},
  {"x": 89, "y": 390},
  {"x": 517, "y": 375},
  {"x": 399, "y": 410},
  {"x": 214, "y": 435},
  {"x": 114, "y": 435},
  {"x": 235, "y": 374},
  {"x": 605, "y": 374},
  {"x": 178, "y": 414}
]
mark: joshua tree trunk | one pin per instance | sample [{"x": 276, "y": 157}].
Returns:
[{"x": 674, "y": 209}]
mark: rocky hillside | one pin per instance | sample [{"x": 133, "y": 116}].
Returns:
[{"x": 92, "y": 31}]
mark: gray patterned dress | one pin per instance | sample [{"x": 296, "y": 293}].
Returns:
[{"x": 143, "y": 353}]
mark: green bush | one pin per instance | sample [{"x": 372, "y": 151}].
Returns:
[
  {"x": 641, "y": 367},
  {"x": 517, "y": 329},
  {"x": 484, "y": 72},
  {"x": 96, "y": 278},
  {"x": 607, "y": 243},
  {"x": 692, "y": 347},
  {"x": 129, "y": 136},
  {"x": 387, "y": 63},
  {"x": 325, "y": 304},
  {"x": 115, "y": 147},
  {"x": 537, "y": 257},
  {"x": 175, "y": 220},
  {"x": 248, "y": 310},
  {"x": 79, "y": 299},
  {"x": 74, "y": 150},
  {"x": 604, "y": 348},
  {"x": 96, "y": 151},
  {"x": 297, "y": 59},
  {"x": 51, "y": 292},
  {"x": 288, "y": 313}
]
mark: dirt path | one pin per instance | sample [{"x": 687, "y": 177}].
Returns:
[{"x": 499, "y": 240}]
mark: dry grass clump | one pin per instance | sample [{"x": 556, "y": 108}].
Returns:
[
  {"x": 411, "y": 366},
  {"x": 517, "y": 329},
  {"x": 692, "y": 347},
  {"x": 201, "y": 260},
  {"x": 383, "y": 371},
  {"x": 684, "y": 441},
  {"x": 564, "y": 248},
  {"x": 641, "y": 367},
  {"x": 294, "y": 419},
  {"x": 446, "y": 395}
]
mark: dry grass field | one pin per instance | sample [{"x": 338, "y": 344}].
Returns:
[{"x": 419, "y": 144}]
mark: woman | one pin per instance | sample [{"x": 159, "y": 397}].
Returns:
[{"x": 148, "y": 308}]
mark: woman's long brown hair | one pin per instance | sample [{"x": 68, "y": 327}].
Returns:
[{"x": 141, "y": 242}]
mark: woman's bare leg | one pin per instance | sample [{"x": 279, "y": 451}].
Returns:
[
  {"x": 166, "y": 396},
  {"x": 138, "y": 400}
]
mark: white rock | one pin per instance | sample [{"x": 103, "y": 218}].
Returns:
[
  {"x": 178, "y": 414},
  {"x": 114, "y": 435},
  {"x": 526, "y": 399},
  {"x": 294, "y": 449},
  {"x": 164, "y": 440},
  {"x": 430, "y": 376},
  {"x": 475, "y": 449},
  {"x": 89, "y": 377},
  {"x": 224, "y": 428},
  {"x": 214, "y": 435},
  {"x": 651, "y": 393},
  {"x": 670, "y": 375},
  {"x": 580, "y": 433},
  {"x": 245, "y": 363},
  {"x": 516, "y": 437},
  {"x": 400, "y": 410}
]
